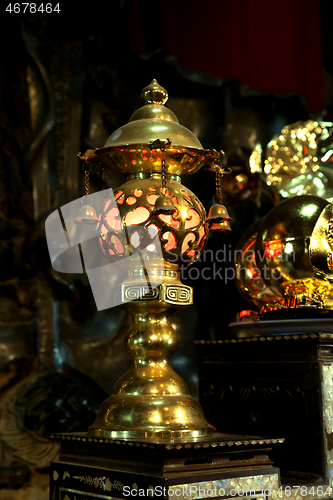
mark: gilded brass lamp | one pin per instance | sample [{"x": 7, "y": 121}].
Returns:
[{"x": 153, "y": 151}]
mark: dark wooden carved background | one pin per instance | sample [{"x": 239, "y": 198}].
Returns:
[{"x": 67, "y": 82}]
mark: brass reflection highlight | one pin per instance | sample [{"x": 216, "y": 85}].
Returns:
[
  {"x": 248, "y": 277},
  {"x": 299, "y": 159},
  {"x": 293, "y": 249}
]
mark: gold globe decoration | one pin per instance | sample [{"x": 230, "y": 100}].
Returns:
[
  {"x": 153, "y": 151},
  {"x": 299, "y": 160},
  {"x": 249, "y": 281},
  {"x": 294, "y": 248}
]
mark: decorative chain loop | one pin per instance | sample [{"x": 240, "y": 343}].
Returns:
[
  {"x": 219, "y": 172},
  {"x": 86, "y": 169},
  {"x": 161, "y": 145},
  {"x": 163, "y": 175},
  {"x": 86, "y": 181}
]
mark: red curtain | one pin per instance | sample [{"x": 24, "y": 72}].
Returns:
[{"x": 272, "y": 46}]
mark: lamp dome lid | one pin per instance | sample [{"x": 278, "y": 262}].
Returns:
[
  {"x": 153, "y": 121},
  {"x": 153, "y": 134}
]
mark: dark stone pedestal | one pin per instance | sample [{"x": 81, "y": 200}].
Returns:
[
  {"x": 280, "y": 382},
  {"x": 220, "y": 467}
]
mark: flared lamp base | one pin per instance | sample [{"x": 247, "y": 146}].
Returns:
[{"x": 150, "y": 416}]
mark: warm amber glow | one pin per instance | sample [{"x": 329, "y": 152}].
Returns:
[
  {"x": 117, "y": 244},
  {"x": 144, "y": 154},
  {"x": 202, "y": 233},
  {"x": 189, "y": 237},
  {"x": 140, "y": 198},
  {"x": 136, "y": 216},
  {"x": 113, "y": 219},
  {"x": 156, "y": 417},
  {"x": 165, "y": 192},
  {"x": 171, "y": 240},
  {"x": 200, "y": 207},
  {"x": 152, "y": 230},
  {"x": 116, "y": 196},
  {"x": 103, "y": 230},
  {"x": 168, "y": 219},
  {"x": 135, "y": 239},
  {"x": 151, "y": 198},
  {"x": 330, "y": 262},
  {"x": 273, "y": 249},
  {"x": 195, "y": 219}
]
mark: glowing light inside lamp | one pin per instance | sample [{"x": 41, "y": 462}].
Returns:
[
  {"x": 185, "y": 246},
  {"x": 136, "y": 216},
  {"x": 168, "y": 219},
  {"x": 117, "y": 244},
  {"x": 135, "y": 239},
  {"x": 194, "y": 221},
  {"x": 177, "y": 231},
  {"x": 273, "y": 249},
  {"x": 113, "y": 219},
  {"x": 152, "y": 230},
  {"x": 116, "y": 196},
  {"x": 151, "y": 198},
  {"x": 202, "y": 233},
  {"x": 171, "y": 240},
  {"x": 103, "y": 230}
]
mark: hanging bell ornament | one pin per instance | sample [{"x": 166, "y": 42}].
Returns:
[
  {"x": 218, "y": 213},
  {"x": 164, "y": 206},
  {"x": 218, "y": 216},
  {"x": 86, "y": 215},
  {"x": 220, "y": 227}
]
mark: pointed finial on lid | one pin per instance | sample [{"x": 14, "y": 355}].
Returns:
[{"x": 154, "y": 94}]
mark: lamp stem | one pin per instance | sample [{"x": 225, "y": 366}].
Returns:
[{"x": 151, "y": 400}]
